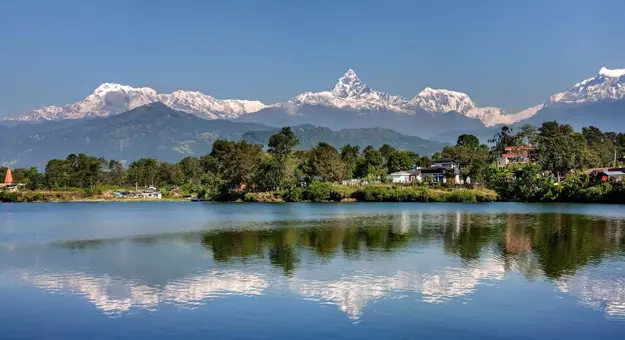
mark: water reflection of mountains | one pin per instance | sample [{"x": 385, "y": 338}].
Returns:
[
  {"x": 352, "y": 262},
  {"x": 552, "y": 245}
]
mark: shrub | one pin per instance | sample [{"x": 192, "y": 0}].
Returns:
[
  {"x": 270, "y": 196},
  {"x": 318, "y": 192},
  {"x": 252, "y": 197},
  {"x": 486, "y": 196},
  {"x": 461, "y": 196},
  {"x": 6, "y": 196},
  {"x": 373, "y": 194},
  {"x": 294, "y": 195}
]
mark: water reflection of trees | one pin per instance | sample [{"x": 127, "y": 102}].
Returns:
[
  {"x": 552, "y": 245},
  {"x": 547, "y": 244},
  {"x": 559, "y": 244}
]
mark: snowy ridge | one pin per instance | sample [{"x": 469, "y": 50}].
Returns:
[
  {"x": 607, "y": 84},
  {"x": 611, "y": 73},
  {"x": 438, "y": 100},
  {"x": 110, "y": 99},
  {"x": 349, "y": 92}
]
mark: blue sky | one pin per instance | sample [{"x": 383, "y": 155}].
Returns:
[{"x": 511, "y": 54}]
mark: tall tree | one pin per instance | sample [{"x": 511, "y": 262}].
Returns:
[
  {"x": 115, "y": 173},
  {"x": 349, "y": 155},
  {"x": 143, "y": 172},
  {"x": 283, "y": 143},
  {"x": 424, "y": 161},
  {"x": 270, "y": 175},
  {"x": 209, "y": 164},
  {"x": 601, "y": 147},
  {"x": 324, "y": 161},
  {"x": 31, "y": 178},
  {"x": 560, "y": 149},
  {"x": 371, "y": 164},
  {"x": 386, "y": 151},
  {"x": 401, "y": 160},
  {"x": 501, "y": 140},
  {"x": 191, "y": 168},
  {"x": 526, "y": 135},
  {"x": 58, "y": 173},
  {"x": 169, "y": 174},
  {"x": 281, "y": 164},
  {"x": 237, "y": 161},
  {"x": 472, "y": 157}
]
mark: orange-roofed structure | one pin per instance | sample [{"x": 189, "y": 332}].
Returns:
[
  {"x": 8, "y": 178},
  {"x": 8, "y": 182}
]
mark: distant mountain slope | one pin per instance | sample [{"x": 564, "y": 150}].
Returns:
[
  {"x": 420, "y": 123},
  {"x": 157, "y": 131},
  {"x": 154, "y": 130},
  {"x": 608, "y": 115},
  {"x": 310, "y": 135}
]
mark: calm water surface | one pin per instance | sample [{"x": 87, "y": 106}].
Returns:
[{"x": 311, "y": 271}]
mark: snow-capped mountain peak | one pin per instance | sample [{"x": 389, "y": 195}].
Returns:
[
  {"x": 112, "y": 87},
  {"x": 607, "y": 84},
  {"x": 612, "y": 73},
  {"x": 440, "y": 100},
  {"x": 351, "y": 93},
  {"x": 205, "y": 106},
  {"x": 110, "y": 99},
  {"x": 349, "y": 85}
]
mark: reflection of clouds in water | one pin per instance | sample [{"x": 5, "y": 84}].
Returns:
[
  {"x": 449, "y": 283},
  {"x": 352, "y": 293},
  {"x": 598, "y": 291},
  {"x": 115, "y": 296}
]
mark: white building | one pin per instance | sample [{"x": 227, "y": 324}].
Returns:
[
  {"x": 149, "y": 193},
  {"x": 441, "y": 171},
  {"x": 405, "y": 177}
]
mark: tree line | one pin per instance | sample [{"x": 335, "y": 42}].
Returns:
[
  {"x": 230, "y": 165},
  {"x": 559, "y": 153}
]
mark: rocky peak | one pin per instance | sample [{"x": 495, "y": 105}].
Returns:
[{"x": 349, "y": 86}]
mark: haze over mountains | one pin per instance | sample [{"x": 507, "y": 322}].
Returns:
[{"x": 157, "y": 131}]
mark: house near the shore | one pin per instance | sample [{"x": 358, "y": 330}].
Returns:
[
  {"x": 515, "y": 155},
  {"x": 149, "y": 193},
  {"x": 405, "y": 177},
  {"x": 441, "y": 171},
  {"x": 607, "y": 175}
]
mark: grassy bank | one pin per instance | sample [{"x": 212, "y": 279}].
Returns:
[
  {"x": 326, "y": 192},
  {"x": 67, "y": 195},
  {"x": 315, "y": 192}
]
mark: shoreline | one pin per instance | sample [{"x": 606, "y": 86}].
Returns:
[{"x": 318, "y": 193}]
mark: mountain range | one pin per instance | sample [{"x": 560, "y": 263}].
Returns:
[
  {"x": 110, "y": 99},
  {"x": 126, "y": 123},
  {"x": 348, "y": 94},
  {"x": 157, "y": 131}
]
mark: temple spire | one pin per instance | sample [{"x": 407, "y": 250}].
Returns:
[{"x": 8, "y": 178}]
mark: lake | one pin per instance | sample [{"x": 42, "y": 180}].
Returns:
[{"x": 311, "y": 271}]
